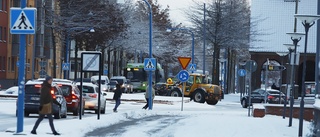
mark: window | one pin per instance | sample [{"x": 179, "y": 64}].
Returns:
[
  {"x": 4, "y": 64},
  {"x": 9, "y": 61},
  {"x": 1, "y": 3},
  {"x": 28, "y": 65},
  {"x": 0, "y": 33},
  {"x": 4, "y": 34},
  {"x": 4, "y": 5},
  {"x": 12, "y": 64},
  {"x": 1, "y": 63}
]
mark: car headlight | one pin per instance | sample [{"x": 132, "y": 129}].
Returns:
[{"x": 143, "y": 85}]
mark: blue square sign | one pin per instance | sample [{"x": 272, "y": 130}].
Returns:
[
  {"x": 23, "y": 21},
  {"x": 150, "y": 64}
]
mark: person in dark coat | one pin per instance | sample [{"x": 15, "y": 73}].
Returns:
[
  {"x": 45, "y": 108},
  {"x": 117, "y": 97}
]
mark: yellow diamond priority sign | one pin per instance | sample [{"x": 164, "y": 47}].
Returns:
[{"x": 184, "y": 61}]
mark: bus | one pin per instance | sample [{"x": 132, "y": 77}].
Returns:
[{"x": 139, "y": 78}]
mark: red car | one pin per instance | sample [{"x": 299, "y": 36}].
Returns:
[{"x": 72, "y": 96}]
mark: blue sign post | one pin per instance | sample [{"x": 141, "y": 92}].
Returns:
[
  {"x": 150, "y": 64},
  {"x": 242, "y": 72},
  {"x": 183, "y": 76},
  {"x": 22, "y": 21}
]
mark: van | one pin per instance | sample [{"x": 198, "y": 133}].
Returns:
[
  {"x": 122, "y": 80},
  {"x": 104, "y": 82}
]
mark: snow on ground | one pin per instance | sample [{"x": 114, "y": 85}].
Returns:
[{"x": 226, "y": 119}]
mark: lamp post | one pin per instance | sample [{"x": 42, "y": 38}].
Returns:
[
  {"x": 150, "y": 54},
  {"x": 282, "y": 54},
  {"x": 307, "y": 21},
  {"x": 192, "y": 35},
  {"x": 291, "y": 48},
  {"x": 295, "y": 37},
  {"x": 67, "y": 53}
]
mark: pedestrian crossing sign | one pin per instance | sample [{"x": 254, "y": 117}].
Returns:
[
  {"x": 65, "y": 66},
  {"x": 150, "y": 64},
  {"x": 192, "y": 67},
  {"x": 22, "y": 21}
]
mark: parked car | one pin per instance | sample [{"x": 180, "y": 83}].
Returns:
[
  {"x": 122, "y": 81},
  {"x": 112, "y": 85},
  {"x": 104, "y": 82},
  {"x": 91, "y": 92},
  {"x": 32, "y": 100},
  {"x": 86, "y": 80},
  {"x": 10, "y": 92},
  {"x": 260, "y": 95},
  {"x": 161, "y": 89},
  {"x": 72, "y": 96}
]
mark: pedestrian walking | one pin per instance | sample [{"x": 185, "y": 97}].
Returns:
[
  {"x": 117, "y": 97},
  {"x": 147, "y": 96},
  {"x": 45, "y": 108}
]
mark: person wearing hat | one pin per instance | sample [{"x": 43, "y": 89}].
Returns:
[
  {"x": 147, "y": 96},
  {"x": 45, "y": 108}
]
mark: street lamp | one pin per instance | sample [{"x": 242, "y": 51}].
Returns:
[
  {"x": 192, "y": 35},
  {"x": 67, "y": 53},
  {"x": 281, "y": 54},
  {"x": 307, "y": 21},
  {"x": 150, "y": 54},
  {"x": 295, "y": 37},
  {"x": 291, "y": 48}
]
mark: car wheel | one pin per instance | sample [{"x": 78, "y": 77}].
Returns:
[
  {"x": 26, "y": 114},
  {"x": 64, "y": 116},
  {"x": 57, "y": 115},
  {"x": 76, "y": 112},
  {"x": 103, "y": 111},
  {"x": 198, "y": 96},
  {"x": 244, "y": 103},
  {"x": 175, "y": 93}
]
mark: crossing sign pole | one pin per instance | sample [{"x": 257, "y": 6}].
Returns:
[
  {"x": 150, "y": 64},
  {"x": 22, "y": 21}
]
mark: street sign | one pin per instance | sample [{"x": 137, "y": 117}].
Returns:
[
  {"x": 42, "y": 72},
  {"x": 274, "y": 68},
  {"x": 184, "y": 61},
  {"x": 105, "y": 72},
  {"x": 66, "y": 66},
  {"x": 242, "y": 72},
  {"x": 192, "y": 67},
  {"x": 22, "y": 21},
  {"x": 150, "y": 64},
  {"x": 251, "y": 65},
  {"x": 183, "y": 75},
  {"x": 91, "y": 61}
]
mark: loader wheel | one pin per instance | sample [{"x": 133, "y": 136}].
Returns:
[
  {"x": 198, "y": 96},
  {"x": 175, "y": 93},
  {"x": 212, "y": 102}
]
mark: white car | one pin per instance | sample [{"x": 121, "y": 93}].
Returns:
[
  {"x": 104, "y": 82},
  {"x": 10, "y": 92},
  {"x": 90, "y": 93}
]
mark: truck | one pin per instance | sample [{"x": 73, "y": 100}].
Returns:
[{"x": 198, "y": 89}]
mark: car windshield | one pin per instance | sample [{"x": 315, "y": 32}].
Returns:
[
  {"x": 66, "y": 90},
  {"x": 120, "y": 81},
  {"x": 86, "y": 89},
  {"x": 113, "y": 83},
  {"x": 102, "y": 81},
  {"x": 32, "y": 89},
  {"x": 274, "y": 92},
  {"x": 84, "y": 80}
]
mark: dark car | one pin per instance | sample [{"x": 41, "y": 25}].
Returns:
[
  {"x": 32, "y": 100},
  {"x": 72, "y": 96},
  {"x": 161, "y": 89},
  {"x": 112, "y": 85},
  {"x": 260, "y": 95}
]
